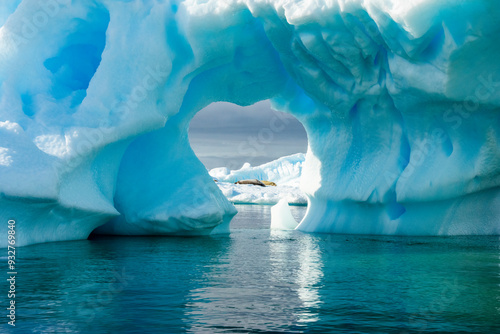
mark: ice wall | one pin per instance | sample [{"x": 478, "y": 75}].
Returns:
[{"x": 399, "y": 99}]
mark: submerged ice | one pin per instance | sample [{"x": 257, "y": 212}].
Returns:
[{"x": 400, "y": 101}]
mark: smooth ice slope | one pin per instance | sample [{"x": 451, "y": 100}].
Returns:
[
  {"x": 400, "y": 101},
  {"x": 281, "y": 217}
]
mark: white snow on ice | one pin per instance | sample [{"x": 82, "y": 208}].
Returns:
[
  {"x": 285, "y": 172},
  {"x": 281, "y": 217}
]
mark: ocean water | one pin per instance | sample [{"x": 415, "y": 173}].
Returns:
[{"x": 259, "y": 281}]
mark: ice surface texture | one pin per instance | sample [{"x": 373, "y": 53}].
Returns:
[{"x": 400, "y": 101}]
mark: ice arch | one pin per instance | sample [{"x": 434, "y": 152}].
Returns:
[{"x": 400, "y": 102}]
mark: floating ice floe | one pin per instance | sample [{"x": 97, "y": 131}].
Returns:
[{"x": 281, "y": 217}]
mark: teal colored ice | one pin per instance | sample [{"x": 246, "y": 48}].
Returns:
[{"x": 400, "y": 101}]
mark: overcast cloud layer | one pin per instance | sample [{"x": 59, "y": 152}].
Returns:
[{"x": 227, "y": 135}]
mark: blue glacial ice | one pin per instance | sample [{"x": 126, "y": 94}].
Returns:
[{"x": 400, "y": 101}]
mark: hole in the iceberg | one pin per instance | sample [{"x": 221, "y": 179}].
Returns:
[
  {"x": 70, "y": 70},
  {"x": 76, "y": 62},
  {"x": 227, "y": 135},
  {"x": 238, "y": 144}
]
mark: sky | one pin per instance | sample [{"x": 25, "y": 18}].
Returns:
[{"x": 227, "y": 135}]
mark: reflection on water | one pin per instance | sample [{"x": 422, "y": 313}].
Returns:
[
  {"x": 257, "y": 280},
  {"x": 308, "y": 279}
]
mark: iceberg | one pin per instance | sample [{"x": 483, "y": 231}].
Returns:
[
  {"x": 281, "y": 217},
  {"x": 285, "y": 172},
  {"x": 248, "y": 194},
  {"x": 400, "y": 102}
]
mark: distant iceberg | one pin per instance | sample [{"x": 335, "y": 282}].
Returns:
[
  {"x": 285, "y": 172},
  {"x": 400, "y": 101}
]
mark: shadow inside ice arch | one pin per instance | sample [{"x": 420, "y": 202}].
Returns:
[{"x": 227, "y": 135}]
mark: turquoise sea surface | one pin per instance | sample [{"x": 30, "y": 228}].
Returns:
[{"x": 259, "y": 281}]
